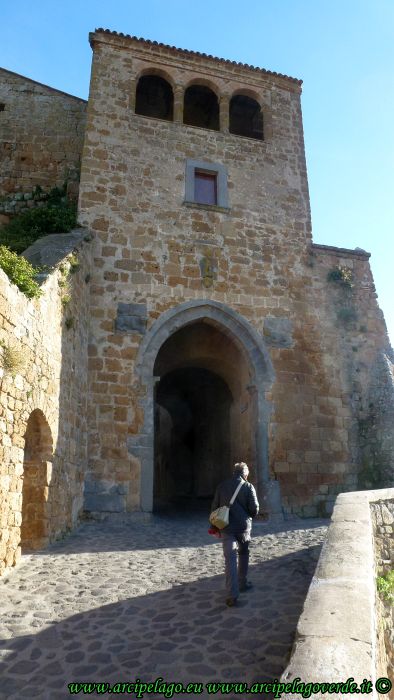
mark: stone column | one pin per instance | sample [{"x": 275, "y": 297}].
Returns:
[
  {"x": 132, "y": 93},
  {"x": 224, "y": 106},
  {"x": 178, "y": 104}
]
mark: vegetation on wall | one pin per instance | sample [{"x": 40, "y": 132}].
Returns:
[
  {"x": 69, "y": 267},
  {"x": 385, "y": 585},
  {"x": 69, "y": 322},
  {"x": 55, "y": 214},
  {"x": 12, "y": 359},
  {"x": 342, "y": 275},
  {"x": 52, "y": 213},
  {"x": 73, "y": 263},
  {"x": 20, "y": 272}
]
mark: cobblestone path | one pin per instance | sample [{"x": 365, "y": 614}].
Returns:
[{"x": 114, "y": 603}]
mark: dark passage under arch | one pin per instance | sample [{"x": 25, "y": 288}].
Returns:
[
  {"x": 208, "y": 335},
  {"x": 192, "y": 425}
]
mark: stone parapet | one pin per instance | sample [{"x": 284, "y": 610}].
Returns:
[
  {"x": 383, "y": 523},
  {"x": 336, "y": 633}
]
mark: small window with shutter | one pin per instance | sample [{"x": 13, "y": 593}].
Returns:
[
  {"x": 206, "y": 184},
  {"x": 205, "y": 187}
]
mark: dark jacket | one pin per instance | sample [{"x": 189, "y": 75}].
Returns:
[{"x": 244, "y": 508}]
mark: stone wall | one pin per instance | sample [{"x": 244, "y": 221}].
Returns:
[
  {"x": 383, "y": 525},
  {"x": 157, "y": 253},
  {"x": 41, "y": 138},
  {"x": 43, "y": 403},
  {"x": 20, "y": 202},
  {"x": 152, "y": 250},
  {"x": 336, "y": 636},
  {"x": 376, "y": 425},
  {"x": 235, "y": 289},
  {"x": 349, "y": 347}
]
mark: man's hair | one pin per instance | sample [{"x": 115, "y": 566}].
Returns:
[{"x": 241, "y": 469}]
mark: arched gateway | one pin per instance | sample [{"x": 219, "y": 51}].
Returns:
[{"x": 204, "y": 372}]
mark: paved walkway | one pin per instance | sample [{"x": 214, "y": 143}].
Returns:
[{"x": 114, "y": 603}]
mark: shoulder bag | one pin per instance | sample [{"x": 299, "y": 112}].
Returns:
[{"x": 220, "y": 517}]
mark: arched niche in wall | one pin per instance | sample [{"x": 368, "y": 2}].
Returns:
[
  {"x": 37, "y": 473},
  {"x": 246, "y": 117},
  {"x": 201, "y": 107},
  {"x": 154, "y": 97}
]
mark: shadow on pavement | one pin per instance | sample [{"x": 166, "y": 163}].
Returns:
[
  {"x": 188, "y": 530},
  {"x": 184, "y": 633}
]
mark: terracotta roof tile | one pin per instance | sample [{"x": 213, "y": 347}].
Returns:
[{"x": 100, "y": 30}]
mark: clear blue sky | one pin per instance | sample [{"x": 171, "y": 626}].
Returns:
[{"x": 342, "y": 49}]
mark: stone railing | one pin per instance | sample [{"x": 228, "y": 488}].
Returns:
[
  {"x": 383, "y": 524},
  {"x": 339, "y": 632}
]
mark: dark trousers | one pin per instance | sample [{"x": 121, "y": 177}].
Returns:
[{"x": 235, "y": 547}]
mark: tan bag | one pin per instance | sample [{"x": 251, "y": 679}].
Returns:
[{"x": 220, "y": 517}]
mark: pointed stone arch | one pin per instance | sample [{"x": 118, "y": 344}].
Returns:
[{"x": 249, "y": 342}]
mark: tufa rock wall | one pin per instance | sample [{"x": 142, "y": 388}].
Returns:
[
  {"x": 43, "y": 405},
  {"x": 41, "y": 138},
  {"x": 159, "y": 256}
]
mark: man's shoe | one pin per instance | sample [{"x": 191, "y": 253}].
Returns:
[
  {"x": 230, "y": 602},
  {"x": 245, "y": 586}
]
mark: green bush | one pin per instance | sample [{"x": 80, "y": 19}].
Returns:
[
  {"x": 385, "y": 586},
  {"x": 74, "y": 263},
  {"x": 25, "y": 228},
  {"x": 343, "y": 275},
  {"x": 20, "y": 272},
  {"x": 57, "y": 195}
]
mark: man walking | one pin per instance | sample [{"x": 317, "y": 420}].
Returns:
[{"x": 236, "y": 536}]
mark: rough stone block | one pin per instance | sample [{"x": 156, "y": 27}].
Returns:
[
  {"x": 332, "y": 610},
  {"x": 114, "y": 503},
  {"x": 131, "y": 318},
  {"x": 278, "y": 332},
  {"x": 320, "y": 659}
]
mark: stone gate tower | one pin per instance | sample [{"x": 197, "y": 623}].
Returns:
[{"x": 216, "y": 331}]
